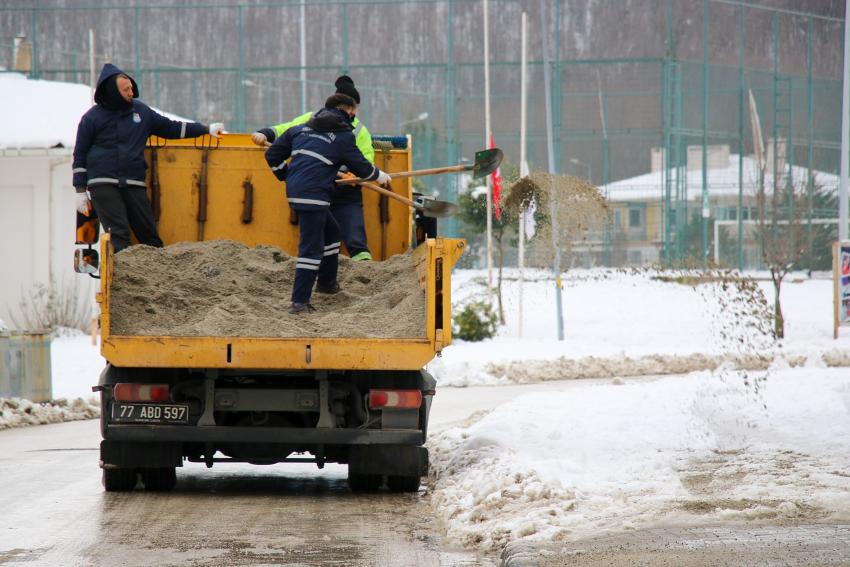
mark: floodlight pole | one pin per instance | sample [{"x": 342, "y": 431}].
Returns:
[
  {"x": 523, "y": 158},
  {"x": 550, "y": 147},
  {"x": 845, "y": 129},
  {"x": 303, "y": 74},
  {"x": 92, "y": 76}
]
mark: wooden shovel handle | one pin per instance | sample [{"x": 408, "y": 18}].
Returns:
[
  {"x": 386, "y": 192},
  {"x": 415, "y": 173}
]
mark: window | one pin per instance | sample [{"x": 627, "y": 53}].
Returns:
[{"x": 635, "y": 220}]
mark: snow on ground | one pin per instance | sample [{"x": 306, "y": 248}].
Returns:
[
  {"x": 627, "y": 323},
  {"x": 75, "y": 367},
  {"x": 612, "y": 455},
  {"x": 617, "y": 323},
  {"x": 17, "y": 412}
]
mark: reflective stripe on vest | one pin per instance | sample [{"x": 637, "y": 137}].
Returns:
[
  {"x": 312, "y": 154},
  {"x": 298, "y": 201}
]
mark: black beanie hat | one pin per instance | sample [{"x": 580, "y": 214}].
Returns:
[{"x": 345, "y": 85}]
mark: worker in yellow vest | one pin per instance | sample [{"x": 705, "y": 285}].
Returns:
[{"x": 347, "y": 200}]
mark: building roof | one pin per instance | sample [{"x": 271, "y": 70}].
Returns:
[
  {"x": 41, "y": 114},
  {"x": 721, "y": 182}
]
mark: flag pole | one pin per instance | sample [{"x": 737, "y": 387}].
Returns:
[
  {"x": 523, "y": 163},
  {"x": 845, "y": 129},
  {"x": 487, "y": 145}
]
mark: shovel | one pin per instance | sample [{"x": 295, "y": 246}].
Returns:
[
  {"x": 428, "y": 207},
  {"x": 486, "y": 162}
]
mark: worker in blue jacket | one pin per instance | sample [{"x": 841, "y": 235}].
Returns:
[
  {"x": 109, "y": 157},
  {"x": 347, "y": 200},
  {"x": 318, "y": 149}
]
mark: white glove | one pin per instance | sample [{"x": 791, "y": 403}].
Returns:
[
  {"x": 83, "y": 203},
  {"x": 383, "y": 178},
  {"x": 216, "y": 128},
  {"x": 259, "y": 139}
]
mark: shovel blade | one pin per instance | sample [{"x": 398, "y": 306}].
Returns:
[
  {"x": 486, "y": 162},
  {"x": 437, "y": 209}
]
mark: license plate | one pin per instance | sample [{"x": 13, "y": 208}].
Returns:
[{"x": 150, "y": 413}]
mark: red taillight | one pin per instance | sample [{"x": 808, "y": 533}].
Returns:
[
  {"x": 395, "y": 399},
  {"x": 140, "y": 392}
]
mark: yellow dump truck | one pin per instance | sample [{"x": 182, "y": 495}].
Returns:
[{"x": 363, "y": 402}]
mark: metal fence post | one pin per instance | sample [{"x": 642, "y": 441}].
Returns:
[{"x": 740, "y": 215}]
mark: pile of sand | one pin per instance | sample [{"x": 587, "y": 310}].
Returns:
[{"x": 223, "y": 288}]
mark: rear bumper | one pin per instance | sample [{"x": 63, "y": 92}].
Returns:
[{"x": 288, "y": 435}]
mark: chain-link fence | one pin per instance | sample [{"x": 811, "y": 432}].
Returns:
[{"x": 641, "y": 87}]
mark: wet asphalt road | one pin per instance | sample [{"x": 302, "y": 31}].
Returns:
[{"x": 53, "y": 512}]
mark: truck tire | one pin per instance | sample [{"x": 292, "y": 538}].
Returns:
[
  {"x": 403, "y": 483},
  {"x": 364, "y": 482},
  {"x": 159, "y": 479},
  {"x": 119, "y": 479}
]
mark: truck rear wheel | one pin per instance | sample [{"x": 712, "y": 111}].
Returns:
[
  {"x": 119, "y": 479},
  {"x": 403, "y": 483},
  {"x": 159, "y": 479},
  {"x": 364, "y": 482}
]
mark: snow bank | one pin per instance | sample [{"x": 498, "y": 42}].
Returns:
[
  {"x": 640, "y": 322},
  {"x": 17, "y": 412},
  {"x": 611, "y": 456},
  {"x": 75, "y": 367}
]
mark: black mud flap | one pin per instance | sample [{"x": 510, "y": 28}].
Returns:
[
  {"x": 397, "y": 460},
  {"x": 140, "y": 455}
]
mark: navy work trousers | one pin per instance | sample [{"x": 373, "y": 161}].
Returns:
[
  {"x": 352, "y": 227},
  {"x": 122, "y": 208},
  {"x": 318, "y": 253}
]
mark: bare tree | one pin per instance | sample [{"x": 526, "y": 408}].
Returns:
[
  {"x": 781, "y": 212},
  {"x": 473, "y": 216},
  {"x": 782, "y": 231},
  {"x": 46, "y": 308}
]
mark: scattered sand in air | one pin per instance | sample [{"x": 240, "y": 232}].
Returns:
[{"x": 224, "y": 288}]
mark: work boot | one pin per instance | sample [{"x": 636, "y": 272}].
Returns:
[
  {"x": 361, "y": 256},
  {"x": 297, "y": 308},
  {"x": 329, "y": 289}
]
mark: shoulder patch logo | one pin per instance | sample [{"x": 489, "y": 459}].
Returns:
[
  {"x": 332, "y": 136},
  {"x": 136, "y": 118}
]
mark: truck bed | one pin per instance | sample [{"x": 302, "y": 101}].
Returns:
[{"x": 433, "y": 259}]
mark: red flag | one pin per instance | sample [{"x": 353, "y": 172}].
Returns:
[{"x": 496, "y": 179}]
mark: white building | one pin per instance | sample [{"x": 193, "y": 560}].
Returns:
[
  {"x": 638, "y": 203},
  {"x": 38, "y": 124}
]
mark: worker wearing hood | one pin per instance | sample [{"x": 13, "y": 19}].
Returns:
[{"x": 109, "y": 160}]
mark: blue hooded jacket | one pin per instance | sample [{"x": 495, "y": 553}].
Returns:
[
  {"x": 111, "y": 136},
  {"x": 318, "y": 149}
]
